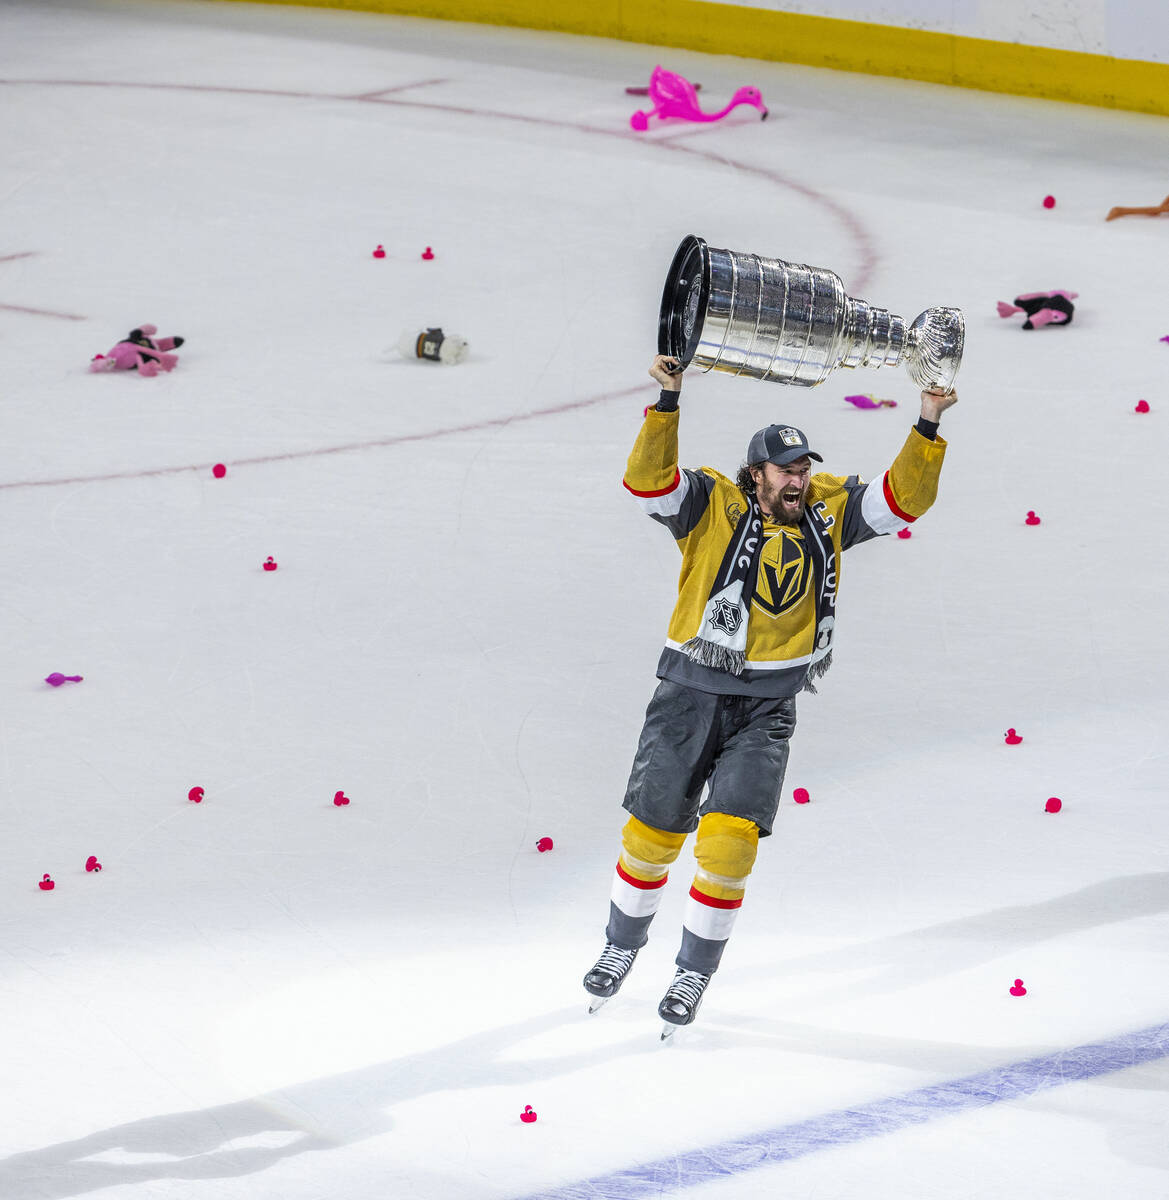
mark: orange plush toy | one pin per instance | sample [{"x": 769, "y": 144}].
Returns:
[{"x": 1154, "y": 211}]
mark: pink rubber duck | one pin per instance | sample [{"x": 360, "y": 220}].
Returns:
[{"x": 674, "y": 96}]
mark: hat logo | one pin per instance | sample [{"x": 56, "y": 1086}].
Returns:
[{"x": 791, "y": 437}]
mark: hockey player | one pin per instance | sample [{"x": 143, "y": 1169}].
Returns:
[{"x": 752, "y": 626}]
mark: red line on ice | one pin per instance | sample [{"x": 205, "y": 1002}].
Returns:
[
  {"x": 849, "y": 219},
  {"x": 396, "y": 439},
  {"x": 42, "y": 312},
  {"x": 851, "y": 222},
  {"x": 402, "y": 87}
]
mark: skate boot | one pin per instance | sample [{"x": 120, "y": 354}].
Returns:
[
  {"x": 680, "y": 1003},
  {"x": 605, "y": 979}
]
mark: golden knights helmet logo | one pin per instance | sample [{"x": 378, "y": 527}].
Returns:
[{"x": 785, "y": 574}]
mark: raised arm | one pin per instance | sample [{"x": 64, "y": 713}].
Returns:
[
  {"x": 673, "y": 497},
  {"x": 652, "y": 470},
  {"x": 909, "y": 487}
]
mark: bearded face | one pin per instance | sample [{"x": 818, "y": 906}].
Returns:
[{"x": 782, "y": 492}]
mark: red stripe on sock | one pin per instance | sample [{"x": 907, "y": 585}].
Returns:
[
  {"x": 645, "y": 885},
  {"x": 703, "y": 898},
  {"x": 896, "y": 509},
  {"x": 660, "y": 492}
]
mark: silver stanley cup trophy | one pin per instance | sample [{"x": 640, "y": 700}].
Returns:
[{"x": 725, "y": 310}]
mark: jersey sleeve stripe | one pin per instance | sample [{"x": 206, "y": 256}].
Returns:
[
  {"x": 894, "y": 508},
  {"x": 877, "y": 512},
  {"x": 660, "y": 491},
  {"x": 666, "y": 503}
]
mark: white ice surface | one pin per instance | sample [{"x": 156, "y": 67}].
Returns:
[{"x": 268, "y": 997}]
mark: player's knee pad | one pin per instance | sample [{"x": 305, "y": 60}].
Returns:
[
  {"x": 726, "y": 846},
  {"x": 658, "y": 847}
]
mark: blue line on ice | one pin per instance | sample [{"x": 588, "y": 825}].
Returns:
[{"x": 1014, "y": 1081}]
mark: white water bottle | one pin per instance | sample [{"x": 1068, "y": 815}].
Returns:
[{"x": 433, "y": 345}]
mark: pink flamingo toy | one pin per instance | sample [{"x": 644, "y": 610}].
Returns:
[{"x": 674, "y": 96}]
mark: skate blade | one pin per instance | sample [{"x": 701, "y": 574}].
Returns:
[{"x": 598, "y": 1002}]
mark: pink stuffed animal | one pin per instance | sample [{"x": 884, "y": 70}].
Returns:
[
  {"x": 141, "y": 352},
  {"x": 1042, "y": 308}
]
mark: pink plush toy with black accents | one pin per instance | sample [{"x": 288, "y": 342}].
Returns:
[
  {"x": 141, "y": 352},
  {"x": 1042, "y": 308}
]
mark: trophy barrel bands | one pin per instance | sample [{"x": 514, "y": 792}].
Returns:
[
  {"x": 808, "y": 323},
  {"x": 726, "y": 310},
  {"x": 873, "y": 337}
]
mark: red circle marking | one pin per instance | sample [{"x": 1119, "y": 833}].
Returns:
[{"x": 851, "y": 222}]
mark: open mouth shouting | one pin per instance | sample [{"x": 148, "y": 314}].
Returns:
[{"x": 792, "y": 501}]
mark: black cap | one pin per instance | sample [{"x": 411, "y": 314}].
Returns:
[{"x": 779, "y": 444}]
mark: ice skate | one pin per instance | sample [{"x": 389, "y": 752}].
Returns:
[
  {"x": 605, "y": 979},
  {"x": 680, "y": 1003}
]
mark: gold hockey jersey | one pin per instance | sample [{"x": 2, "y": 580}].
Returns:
[{"x": 701, "y": 509}]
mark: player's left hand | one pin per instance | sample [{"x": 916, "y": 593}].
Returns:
[{"x": 934, "y": 402}]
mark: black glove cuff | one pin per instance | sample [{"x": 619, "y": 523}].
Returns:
[{"x": 667, "y": 401}]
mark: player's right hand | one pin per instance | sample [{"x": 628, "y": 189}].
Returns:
[{"x": 667, "y": 371}]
